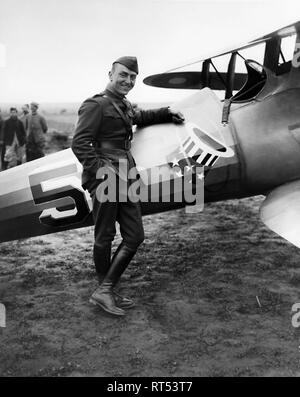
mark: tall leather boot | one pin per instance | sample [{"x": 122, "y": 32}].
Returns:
[
  {"x": 102, "y": 260},
  {"x": 121, "y": 301},
  {"x": 104, "y": 295}
]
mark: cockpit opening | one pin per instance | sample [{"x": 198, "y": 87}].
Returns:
[{"x": 256, "y": 79}]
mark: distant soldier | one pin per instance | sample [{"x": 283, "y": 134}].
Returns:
[
  {"x": 14, "y": 139},
  {"x": 37, "y": 127},
  {"x": 25, "y": 117},
  {"x": 1, "y": 143},
  {"x": 25, "y": 120}
]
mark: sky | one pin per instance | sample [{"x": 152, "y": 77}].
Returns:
[{"x": 62, "y": 50}]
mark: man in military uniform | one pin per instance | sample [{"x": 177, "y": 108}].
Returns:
[
  {"x": 37, "y": 128},
  {"x": 25, "y": 120},
  {"x": 14, "y": 139},
  {"x": 1, "y": 144},
  {"x": 25, "y": 117},
  {"x": 102, "y": 138}
]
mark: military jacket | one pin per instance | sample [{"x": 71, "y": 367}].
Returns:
[
  {"x": 11, "y": 128},
  {"x": 37, "y": 127},
  {"x": 99, "y": 120}
]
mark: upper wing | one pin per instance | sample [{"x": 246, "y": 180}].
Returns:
[
  {"x": 283, "y": 32},
  {"x": 214, "y": 80}
]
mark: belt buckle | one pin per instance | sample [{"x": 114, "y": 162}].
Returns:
[{"x": 127, "y": 145}]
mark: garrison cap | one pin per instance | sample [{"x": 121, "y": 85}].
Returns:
[
  {"x": 34, "y": 104},
  {"x": 129, "y": 62}
]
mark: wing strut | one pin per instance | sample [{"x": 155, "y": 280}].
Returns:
[
  {"x": 205, "y": 72},
  {"x": 219, "y": 74},
  {"x": 272, "y": 53},
  {"x": 230, "y": 76}
]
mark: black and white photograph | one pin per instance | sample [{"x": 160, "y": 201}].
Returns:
[{"x": 149, "y": 191}]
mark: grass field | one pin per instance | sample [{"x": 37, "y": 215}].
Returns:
[{"x": 213, "y": 297}]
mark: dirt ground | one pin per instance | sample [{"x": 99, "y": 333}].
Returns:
[{"x": 213, "y": 296}]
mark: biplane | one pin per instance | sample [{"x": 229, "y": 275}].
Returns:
[{"x": 242, "y": 126}]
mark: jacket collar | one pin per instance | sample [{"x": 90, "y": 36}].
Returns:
[{"x": 113, "y": 94}]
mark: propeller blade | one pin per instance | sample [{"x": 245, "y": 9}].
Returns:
[{"x": 281, "y": 212}]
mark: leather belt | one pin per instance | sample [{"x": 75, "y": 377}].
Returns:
[{"x": 116, "y": 144}]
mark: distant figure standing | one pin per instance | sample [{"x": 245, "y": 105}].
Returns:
[
  {"x": 25, "y": 120},
  {"x": 37, "y": 127},
  {"x": 1, "y": 143},
  {"x": 14, "y": 139},
  {"x": 25, "y": 117}
]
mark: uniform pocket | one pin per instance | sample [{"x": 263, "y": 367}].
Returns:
[{"x": 110, "y": 113}]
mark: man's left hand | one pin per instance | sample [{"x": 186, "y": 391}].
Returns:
[{"x": 177, "y": 117}]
